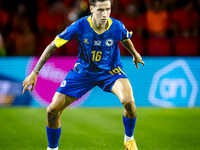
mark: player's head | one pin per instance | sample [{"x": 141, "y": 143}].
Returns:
[
  {"x": 93, "y": 2},
  {"x": 100, "y": 10}
]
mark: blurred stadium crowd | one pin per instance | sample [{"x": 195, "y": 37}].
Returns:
[{"x": 160, "y": 27}]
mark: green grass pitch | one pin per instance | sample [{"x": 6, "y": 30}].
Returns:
[{"x": 101, "y": 129}]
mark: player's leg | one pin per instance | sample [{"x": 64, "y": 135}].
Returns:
[
  {"x": 123, "y": 90},
  {"x": 54, "y": 110}
]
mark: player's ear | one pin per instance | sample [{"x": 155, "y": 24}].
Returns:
[{"x": 91, "y": 9}]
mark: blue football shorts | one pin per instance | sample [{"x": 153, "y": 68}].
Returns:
[{"x": 77, "y": 85}]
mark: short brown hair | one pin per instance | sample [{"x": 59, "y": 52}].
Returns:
[{"x": 93, "y": 2}]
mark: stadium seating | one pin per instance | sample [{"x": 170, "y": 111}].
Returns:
[
  {"x": 72, "y": 48},
  {"x": 158, "y": 46},
  {"x": 138, "y": 43},
  {"x": 186, "y": 46}
]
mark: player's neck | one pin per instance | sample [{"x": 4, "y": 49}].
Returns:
[{"x": 99, "y": 27}]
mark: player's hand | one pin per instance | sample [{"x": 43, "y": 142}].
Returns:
[
  {"x": 30, "y": 80},
  {"x": 137, "y": 59}
]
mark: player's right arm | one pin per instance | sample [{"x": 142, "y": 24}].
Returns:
[
  {"x": 68, "y": 34},
  {"x": 136, "y": 56},
  {"x": 32, "y": 78}
]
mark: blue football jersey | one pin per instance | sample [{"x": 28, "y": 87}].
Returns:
[{"x": 98, "y": 52}]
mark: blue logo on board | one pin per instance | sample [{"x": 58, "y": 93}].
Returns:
[{"x": 173, "y": 85}]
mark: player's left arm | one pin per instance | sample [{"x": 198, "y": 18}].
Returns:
[{"x": 136, "y": 56}]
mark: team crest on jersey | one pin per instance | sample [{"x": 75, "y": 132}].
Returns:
[
  {"x": 97, "y": 43},
  {"x": 86, "y": 41},
  {"x": 109, "y": 42}
]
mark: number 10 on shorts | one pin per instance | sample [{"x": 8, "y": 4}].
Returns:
[{"x": 117, "y": 70}]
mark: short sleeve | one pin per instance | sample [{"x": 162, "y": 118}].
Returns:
[
  {"x": 68, "y": 34},
  {"x": 124, "y": 33}
]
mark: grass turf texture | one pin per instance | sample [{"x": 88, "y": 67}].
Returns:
[{"x": 101, "y": 129}]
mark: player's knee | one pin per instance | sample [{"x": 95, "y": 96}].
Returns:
[
  {"x": 52, "y": 113},
  {"x": 129, "y": 104}
]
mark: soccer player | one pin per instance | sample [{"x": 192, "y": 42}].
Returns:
[{"x": 98, "y": 64}]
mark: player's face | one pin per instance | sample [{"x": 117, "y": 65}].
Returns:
[{"x": 101, "y": 11}]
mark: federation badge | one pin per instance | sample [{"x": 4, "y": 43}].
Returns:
[{"x": 109, "y": 42}]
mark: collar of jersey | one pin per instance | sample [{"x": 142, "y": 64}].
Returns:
[{"x": 89, "y": 19}]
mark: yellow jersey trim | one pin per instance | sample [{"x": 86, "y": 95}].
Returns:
[
  {"x": 60, "y": 42},
  {"x": 89, "y": 19},
  {"x": 76, "y": 64}
]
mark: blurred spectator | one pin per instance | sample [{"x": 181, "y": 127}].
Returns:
[
  {"x": 83, "y": 8},
  {"x": 153, "y": 23},
  {"x": 185, "y": 28},
  {"x": 157, "y": 19},
  {"x": 20, "y": 16},
  {"x": 133, "y": 21},
  {"x": 185, "y": 21},
  {"x": 4, "y": 18},
  {"x": 115, "y": 10},
  {"x": 79, "y": 9},
  {"x": 124, "y": 3},
  {"x": 198, "y": 8},
  {"x": 148, "y": 4},
  {"x": 68, "y": 3},
  {"x": 21, "y": 40},
  {"x": 2, "y": 46},
  {"x": 157, "y": 24},
  {"x": 169, "y": 4},
  {"x": 42, "y": 5},
  {"x": 50, "y": 22}
]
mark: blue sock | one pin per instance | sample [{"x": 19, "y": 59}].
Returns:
[
  {"x": 129, "y": 124},
  {"x": 53, "y": 136}
]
